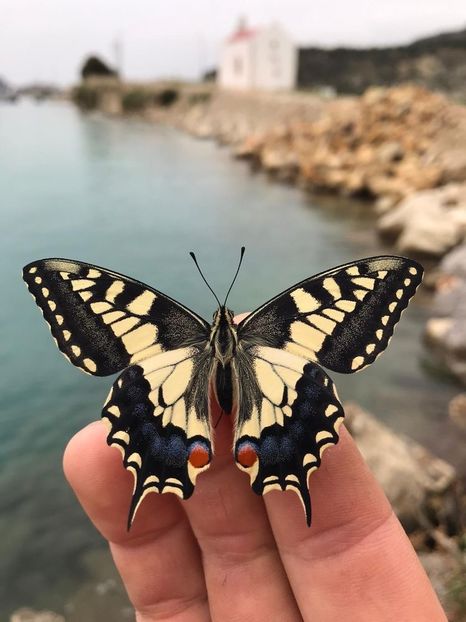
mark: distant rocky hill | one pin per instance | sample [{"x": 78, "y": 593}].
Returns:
[{"x": 437, "y": 62}]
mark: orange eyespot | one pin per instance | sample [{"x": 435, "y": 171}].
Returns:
[
  {"x": 199, "y": 456},
  {"x": 246, "y": 455}
]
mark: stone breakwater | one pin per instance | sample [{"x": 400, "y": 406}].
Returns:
[{"x": 403, "y": 147}]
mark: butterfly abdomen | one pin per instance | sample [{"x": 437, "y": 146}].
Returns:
[{"x": 224, "y": 387}]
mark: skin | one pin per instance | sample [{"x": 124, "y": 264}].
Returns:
[{"x": 228, "y": 555}]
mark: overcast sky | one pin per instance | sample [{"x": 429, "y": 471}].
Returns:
[{"x": 47, "y": 39}]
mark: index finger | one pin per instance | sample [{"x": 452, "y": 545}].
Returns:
[{"x": 159, "y": 549}]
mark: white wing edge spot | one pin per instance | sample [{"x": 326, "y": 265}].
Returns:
[
  {"x": 357, "y": 362},
  {"x": 90, "y": 364}
]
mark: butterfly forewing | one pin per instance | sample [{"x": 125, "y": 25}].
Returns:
[
  {"x": 103, "y": 321},
  {"x": 342, "y": 319}
]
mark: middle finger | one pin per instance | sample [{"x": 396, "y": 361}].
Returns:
[{"x": 244, "y": 575}]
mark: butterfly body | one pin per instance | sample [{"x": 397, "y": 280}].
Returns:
[{"x": 267, "y": 371}]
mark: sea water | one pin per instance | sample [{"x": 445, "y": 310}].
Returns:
[{"x": 136, "y": 197}]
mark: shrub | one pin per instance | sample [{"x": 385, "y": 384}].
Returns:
[
  {"x": 134, "y": 100},
  {"x": 167, "y": 97},
  {"x": 85, "y": 97},
  {"x": 94, "y": 66}
]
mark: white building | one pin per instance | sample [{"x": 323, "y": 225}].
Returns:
[{"x": 264, "y": 59}]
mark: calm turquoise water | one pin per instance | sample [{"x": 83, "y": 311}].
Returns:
[{"x": 135, "y": 198}]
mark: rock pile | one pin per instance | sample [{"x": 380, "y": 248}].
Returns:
[{"x": 381, "y": 144}]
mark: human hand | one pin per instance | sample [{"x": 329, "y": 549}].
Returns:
[{"x": 228, "y": 555}]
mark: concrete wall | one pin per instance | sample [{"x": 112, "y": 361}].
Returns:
[
  {"x": 275, "y": 60},
  {"x": 236, "y": 71}
]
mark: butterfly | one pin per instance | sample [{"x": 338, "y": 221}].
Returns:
[{"x": 266, "y": 370}]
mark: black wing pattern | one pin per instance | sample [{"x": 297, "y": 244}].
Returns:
[
  {"x": 342, "y": 318},
  {"x": 288, "y": 414},
  {"x": 103, "y": 321},
  {"x": 158, "y": 416},
  {"x": 288, "y": 411}
]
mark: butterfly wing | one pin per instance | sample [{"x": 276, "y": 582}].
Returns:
[
  {"x": 343, "y": 318},
  {"x": 158, "y": 415},
  {"x": 103, "y": 321},
  {"x": 288, "y": 414}
]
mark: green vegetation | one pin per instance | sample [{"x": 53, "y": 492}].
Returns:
[
  {"x": 457, "y": 593},
  {"x": 167, "y": 97},
  {"x": 86, "y": 97},
  {"x": 135, "y": 100},
  {"x": 95, "y": 67}
]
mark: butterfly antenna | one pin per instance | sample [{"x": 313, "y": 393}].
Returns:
[
  {"x": 236, "y": 274},
  {"x": 193, "y": 256}
]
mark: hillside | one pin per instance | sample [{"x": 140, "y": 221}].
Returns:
[{"x": 437, "y": 62}]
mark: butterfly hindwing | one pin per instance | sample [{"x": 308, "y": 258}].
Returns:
[
  {"x": 103, "y": 321},
  {"x": 288, "y": 414},
  {"x": 342, "y": 319},
  {"x": 158, "y": 416}
]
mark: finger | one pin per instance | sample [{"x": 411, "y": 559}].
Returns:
[
  {"x": 158, "y": 559},
  {"x": 244, "y": 575},
  {"x": 355, "y": 562}
]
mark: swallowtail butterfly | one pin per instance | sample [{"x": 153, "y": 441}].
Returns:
[{"x": 267, "y": 370}]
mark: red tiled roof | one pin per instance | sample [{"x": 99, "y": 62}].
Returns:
[{"x": 239, "y": 35}]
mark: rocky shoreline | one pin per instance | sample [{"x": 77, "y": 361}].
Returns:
[{"x": 403, "y": 148}]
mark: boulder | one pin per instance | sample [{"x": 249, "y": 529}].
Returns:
[
  {"x": 384, "y": 204},
  {"x": 391, "y": 151},
  {"x": 248, "y": 149},
  {"x": 454, "y": 263},
  {"x": 457, "y": 410},
  {"x": 381, "y": 185},
  {"x": 445, "y": 331},
  {"x": 413, "y": 479},
  {"x": 279, "y": 159},
  {"x": 428, "y": 222}
]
